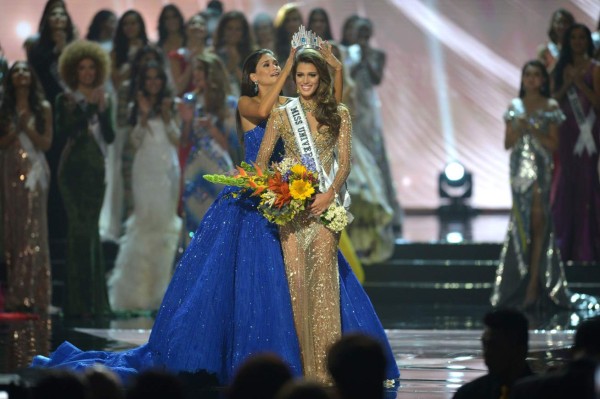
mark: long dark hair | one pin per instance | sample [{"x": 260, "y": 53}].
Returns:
[
  {"x": 246, "y": 45},
  {"x": 282, "y": 36},
  {"x": 327, "y": 34},
  {"x": 135, "y": 66},
  {"x": 566, "y": 53},
  {"x": 248, "y": 88},
  {"x": 98, "y": 21},
  {"x": 165, "y": 92},
  {"x": 347, "y": 23},
  {"x": 121, "y": 42},
  {"x": 326, "y": 112},
  {"x": 35, "y": 99},
  {"x": 545, "y": 89},
  {"x": 45, "y": 30},
  {"x": 570, "y": 19},
  {"x": 162, "y": 29}
]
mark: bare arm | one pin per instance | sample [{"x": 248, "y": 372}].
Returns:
[
  {"x": 511, "y": 135},
  {"x": 344, "y": 144},
  {"x": 549, "y": 140},
  {"x": 593, "y": 93},
  {"x": 250, "y": 109},
  {"x": 181, "y": 76},
  {"x": 268, "y": 143}
]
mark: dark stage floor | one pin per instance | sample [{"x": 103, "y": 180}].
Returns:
[{"x": 430, "y": 297}]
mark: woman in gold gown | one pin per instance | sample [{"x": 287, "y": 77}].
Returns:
[
  {"x": 25, "y": 133},
  {"x": 309, "y": 248}
]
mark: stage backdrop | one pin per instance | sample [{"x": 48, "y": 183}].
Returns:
[{"x": 452, "y": 68}]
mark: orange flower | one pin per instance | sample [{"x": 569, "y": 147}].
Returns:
[
  {"x": 242, "y": 171},
  {"x": 281, "y": 189}
]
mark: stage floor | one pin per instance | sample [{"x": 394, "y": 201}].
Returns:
[
  {"x": 436, "y": 346},
  {"x": 433, "y": 362}
]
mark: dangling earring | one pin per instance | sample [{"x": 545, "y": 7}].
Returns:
[{"x": 256, "y": 86}]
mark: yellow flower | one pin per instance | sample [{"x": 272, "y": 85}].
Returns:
[
  {"x": 301, "y": 190},
  {"x": 298, "y": 169}
]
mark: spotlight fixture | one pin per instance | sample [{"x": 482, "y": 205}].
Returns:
[
  {"x": 455, "y": 182},
  {"x": 455, "y": 186}
]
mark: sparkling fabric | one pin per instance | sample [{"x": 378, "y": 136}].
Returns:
[
  {"x": 26, "y": 252},
  {"x": 228, "y": 299},
  {"x": 530, "y": 170},
  {"x": 206, "y": 157},
  {"x": 367, "y": 121},
  {"x": 309, "y": 248},
  {"x": 81, "y": 178},
  {"x": 143, "y": 266}
]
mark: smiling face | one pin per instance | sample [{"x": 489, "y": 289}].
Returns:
[
  {"x": 21, "y": 75},
  {"x": 267, "y": 70},
  {"x": 86, "y": 73},
  {"x": 307, "y": 79}
]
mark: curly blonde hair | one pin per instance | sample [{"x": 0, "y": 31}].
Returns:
[{"x": 77, "y": 51}]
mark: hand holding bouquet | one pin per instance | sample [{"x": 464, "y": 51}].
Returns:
[{"x": 284, "y": 190}]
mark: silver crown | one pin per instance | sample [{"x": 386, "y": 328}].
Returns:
[{"x": 304, "y": 38}]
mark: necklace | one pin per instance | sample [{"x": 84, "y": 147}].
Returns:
[{"x": 308, "y": 106}]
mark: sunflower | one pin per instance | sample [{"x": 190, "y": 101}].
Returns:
[
  {"x": 298, "y": 170},
  {"x": 301, "y": 190}
]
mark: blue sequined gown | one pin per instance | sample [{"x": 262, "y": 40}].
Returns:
[{"x": 228, "y": 299}]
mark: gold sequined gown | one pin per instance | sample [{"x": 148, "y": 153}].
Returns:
[
  {"x": 309, "y": 248},
  {"x": 25, "y": 180}
]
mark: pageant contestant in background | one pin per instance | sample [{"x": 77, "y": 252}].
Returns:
[
  {"x": 25, "y": 133},
  {"x": 531, "y": 273},
  {"x": 548, "y": 53},
  {"x": 203, "y": 113},
  {"x": 366, "y": 65},
  {"x": 171, "y": 29},
  {"x": 129, "y": 38},
  {"x": 83, "y": 116},
  {"x": 576, "y": 207},
  {"x": 147, "y": 250},
  {"x": 55, "y": 32}
]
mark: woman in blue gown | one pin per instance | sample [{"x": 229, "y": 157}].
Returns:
[{"x": 229, "y": 296}]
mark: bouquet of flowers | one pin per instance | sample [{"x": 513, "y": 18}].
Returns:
[{"x": 285, "y": 190}]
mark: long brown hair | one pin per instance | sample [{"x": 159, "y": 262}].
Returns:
[
  {"x": 217, "y": 84},
  {"x": 326, "y": 112},
  {"x": 35, "y": 99}
]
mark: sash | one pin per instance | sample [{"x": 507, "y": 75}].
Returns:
[
  {"x": 585, "y": 141},
  {"x": 93, "y": 123},
  {"x": 39, "y": 173},
  {"x": 553, "y": 49},
  {"x": 306, "y": 146}
]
